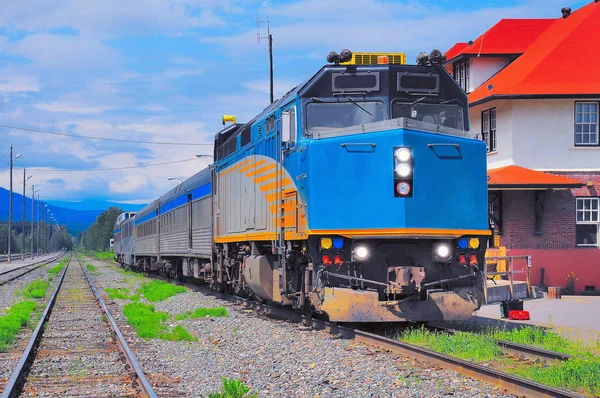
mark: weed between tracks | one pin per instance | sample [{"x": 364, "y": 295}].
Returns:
[
  {"x": 35, "y": 290},
  {"x": 580, "y": 374},
  {"x": 158, "y": 290},
  {"x": 149, "y": 323},
  {"x": 232, "y": 388}
]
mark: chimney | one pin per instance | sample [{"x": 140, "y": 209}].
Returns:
[{"x": 566, "y": 12}]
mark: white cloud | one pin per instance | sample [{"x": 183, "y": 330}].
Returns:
[
  {"x": 66, "y": 107},
  {"x": 18, "y": 83},
  {"x": 129, "y": 184}
]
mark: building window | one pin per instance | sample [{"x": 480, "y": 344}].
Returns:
[
  {"x": 461, "y": 74},
  {"x": 488, "y": 128},
  {"x": 586, "y": 123},
  {"x": 587, "y": 221}
]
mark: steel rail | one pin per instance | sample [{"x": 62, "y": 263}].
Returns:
[
  {"x": 36, "y": 266},
  {"x": 129, "y": 356},
  {"x": 508, "y": 382},
  {"x": 14, "y": 383}
]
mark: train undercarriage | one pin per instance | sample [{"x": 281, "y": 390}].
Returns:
[{"x": 395, "y": 280}]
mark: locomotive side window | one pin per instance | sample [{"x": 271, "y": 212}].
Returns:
[
  {"x": 448, "y": 115},
  {"x": 323, "y": 116}
]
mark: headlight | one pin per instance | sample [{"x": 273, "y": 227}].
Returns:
[
  {"x": 361, "y": 253},
  {"x": 403, "y": 170},
  {"x": 403, "y": 155},
  {"x": 442, "y": 251}
]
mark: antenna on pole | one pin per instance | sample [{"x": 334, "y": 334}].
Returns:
[{"x": 270, "y": 38}]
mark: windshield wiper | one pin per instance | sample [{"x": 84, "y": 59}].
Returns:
[
  {"x": 356, "y": 103},
  {"x": 322, "y": 101},
  {"x": 413, "y": 103}
]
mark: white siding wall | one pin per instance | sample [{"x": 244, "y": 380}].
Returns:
[
  {"x": 503, "y": 156},
  {"x": 537, "y": 134},
  {"x": 481, "y": 69},
  {"x": 544, "y": 136}
]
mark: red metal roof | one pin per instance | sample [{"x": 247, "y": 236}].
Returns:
[
  {"x": 509, "y": 36},
  {"x": 516, "y": 177},
  {"x": 563, "y": 60}
]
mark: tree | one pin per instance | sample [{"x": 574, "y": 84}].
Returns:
[{"x": 99, "y": 234}]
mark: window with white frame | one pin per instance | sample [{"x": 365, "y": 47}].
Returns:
[
  {"x": 588, "y": 212},
  {"x": 586, "y": 123},
  {"x": 488, "y": 128},
  {"x": 461, "y": 74}
]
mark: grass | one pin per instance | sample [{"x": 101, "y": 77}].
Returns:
[
  {"x": 202, "y": 313},
  {"x": 232, "y": 388},
  {"x": 158, "y": 290},
  {"x": 57, "y": 268},
  {"x": 93, "y": 270},
  {"x": 35, "y": 290},
  {"x": 104, "y": 255},
  {"x": 120, "y": 293},
  {"x": 478, "y": 347},
  {"x": 580, "y": 373},
  {"x": 149, "y": 323},
  {"x": 18, "y": 316}
]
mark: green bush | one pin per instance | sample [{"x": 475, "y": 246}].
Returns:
[
  {"x": 232, "y": 388},
  {"x": 36, "y": 289}
]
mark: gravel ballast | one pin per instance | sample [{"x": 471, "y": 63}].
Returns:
[{"x": 275, "y": 358}]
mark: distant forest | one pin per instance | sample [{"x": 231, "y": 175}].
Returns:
[
  {"x": 97, "y": 237},
  {"x": 49, "y": 238}
]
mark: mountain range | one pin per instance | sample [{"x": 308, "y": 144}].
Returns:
[{"x": 76, "y": 216}]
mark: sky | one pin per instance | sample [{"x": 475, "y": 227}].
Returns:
[{"x": 166, "y": 70}]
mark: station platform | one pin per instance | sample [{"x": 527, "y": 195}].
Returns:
[
  {"x": 15, "y": 263},
  {"x": 574, "y": 317},
  {"x": 500, "y": 290}
]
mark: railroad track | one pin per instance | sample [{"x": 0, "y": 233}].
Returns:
[
  {"x": 509, "y": 383},
  {"x": 17, "y": 272},
  {"x": 77, "y": 348}
]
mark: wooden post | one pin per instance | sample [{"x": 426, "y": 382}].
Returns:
[
  {"x": 485, "y": 292},
  {"x": 528, "y": 270},
  {"x": 510, "y": 278}
]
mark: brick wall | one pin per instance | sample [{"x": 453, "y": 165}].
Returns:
[{"x": 558, "y": 221}]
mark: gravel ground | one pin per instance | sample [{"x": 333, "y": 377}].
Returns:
[
  {"x": 9, "y": 359},
  {"x": 276, "y": 358}
]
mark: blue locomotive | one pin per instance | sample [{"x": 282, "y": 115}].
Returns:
[{"x": 360, "y": 195}]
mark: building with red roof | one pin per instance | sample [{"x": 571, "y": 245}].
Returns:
[{"x": 534, "y": 97}]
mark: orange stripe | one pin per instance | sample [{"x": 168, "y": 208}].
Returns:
[
  {"x": 244, "y": 169},
  {"x": 245, "y": 237},
  {"x": 402, "y": 232},
  {"x": 261, "y": 170},
  {"x": 268, "y": 177},
  {"x": 273, "y": 185},
  {"x": 271, "y": 197},
  {"x": 274, "y": 209},
  {"x": 231, "y": 168}
]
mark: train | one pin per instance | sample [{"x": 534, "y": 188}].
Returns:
[{"x": 359, "y": 196}]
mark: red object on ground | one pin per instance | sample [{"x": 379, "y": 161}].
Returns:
[{"x": 516, "y": 315}]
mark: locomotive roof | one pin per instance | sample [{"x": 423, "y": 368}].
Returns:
[
  {"x": 333, "y": 68},
  {"x": 197, "y": 180}
]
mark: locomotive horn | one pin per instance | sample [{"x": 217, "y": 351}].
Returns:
[
  {"x": 333, "y": 57},
  {"x": 345, "y": 55},
  {"x": 422, "y": 58}
]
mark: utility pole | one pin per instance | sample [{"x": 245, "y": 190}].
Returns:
[
  {"x": 270, "y": 37},
  {"x": 39, "y": 226},
  {"x": 32, "y": 219},
  {"x": 23, "y": 221},
  {"x": 10, "y": 206}
]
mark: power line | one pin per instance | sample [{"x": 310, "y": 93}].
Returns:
[
  {"x": 111, "y": 168},
  {"x": 101, "y": 138}
]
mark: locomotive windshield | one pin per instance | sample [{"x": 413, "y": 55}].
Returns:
[
  {"x": 448, "y": 115},
  {"x": 322, "y": 116}
]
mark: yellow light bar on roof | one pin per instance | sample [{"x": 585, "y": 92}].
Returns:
[
  {"x": 371, "y": 58},
  {"x": 229, "y": 118}
]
